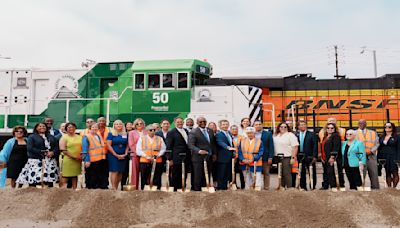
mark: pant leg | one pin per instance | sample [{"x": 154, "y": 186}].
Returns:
[
  {"x": 222, "y": 175},
  {"x": 125, "y": 173},
  {"x": 286, "y": 173},
  {"x": 330, "y": 171},
  {"x": 357, "y": 177},
  {"x": 350, "y": 177},
  {"x": 158, "y": 175},
  {"x": 372, "y": 168},
  {"x": 197, "y": 169},
  {"x": 248, "y": 179},
  {"x": 177, "y": 176},
  {"x": 145, "y": 170},
  {"x": 325, "y": 176},
  {"x": 241, "y": 176},
  {"x": 89, "y": 176},
  {"x": 266, "y": 170},
  {"x": 304, "y": 175},
  {"x": 135, "y": 171},
  {"x": 102, "y": 174},
  {"x": 341, "y": 174},
  {"x": 259, "y": 180}
]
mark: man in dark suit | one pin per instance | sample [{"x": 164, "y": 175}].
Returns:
[
  {"x": 163, "y": 134},
  {"x": 177, "y": 143},
  {"x": 309, "y": 148},
  {"x": 268, "y": 144},
  {"x": 202, "y": 145},
  {"x": 225, "y": 153},
  {"x": 164, "y": 129}
]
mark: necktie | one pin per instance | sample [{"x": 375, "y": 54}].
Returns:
[
  {"x": 205, "y": 133},
  {"x": 183, "y": 133},
  {"x": 229, "y": 138},
  {"x": 301, "y": 141}
]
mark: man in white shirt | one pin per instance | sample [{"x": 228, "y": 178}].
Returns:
[{"x": 150, "y": 147}]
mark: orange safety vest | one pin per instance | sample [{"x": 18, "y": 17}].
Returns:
[
  {"x": 151, "y": 148},
  {"x": 236, "y": 143},
  {"x": 248, "y": 150},
  {"x": 96, "y": 148},
  {"x": 104, "y": 136},
  {"x": 84, "y": 132},
  {"x": 369, "y": 139}
]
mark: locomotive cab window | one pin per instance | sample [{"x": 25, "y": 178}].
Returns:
[
  {"x": 183, "y": 80},
  {"x": 139, "y": 81},
  {"x": 167, "y": 81},
  {"x": 154, "y": 81}
]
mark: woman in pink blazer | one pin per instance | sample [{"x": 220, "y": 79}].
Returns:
[{"x": 133, "y": 138}]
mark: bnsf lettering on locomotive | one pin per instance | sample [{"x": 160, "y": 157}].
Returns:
[{"x": 353, "y": 104}]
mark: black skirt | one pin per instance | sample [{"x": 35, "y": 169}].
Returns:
[{"x": 17, "y": 161}]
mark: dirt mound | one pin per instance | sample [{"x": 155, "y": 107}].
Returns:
[{"x": 99, "y": 208}]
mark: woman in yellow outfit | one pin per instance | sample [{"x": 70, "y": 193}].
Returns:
[{"x": 70, "y": 158}]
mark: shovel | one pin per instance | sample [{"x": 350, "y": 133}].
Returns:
[
  {"x": 311, "y": 174},
  {"x": 336, "y": 172},
  {"x": 280, "y": 158},
  {"x": 301, "y": 157},
  {"x": 43, "y": 168},
  {"x": 232, "y": 185},
  {"x": 129, "y": 187},
  {"x": 255, "y": 174},
  {"x": 167, "y": 188},
  {"x": 153, "y": 168},
  {"x": 82, "y": 178},
  {"x": 383, "y": 163},
  {"x": 184, "y": 189},
  {"x": 362, "y": 188},
  {"x": 208, "y": 187}
]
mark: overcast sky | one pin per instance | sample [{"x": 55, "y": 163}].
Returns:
[{"x": 247, "y": 37}]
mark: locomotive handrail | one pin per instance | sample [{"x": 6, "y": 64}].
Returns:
[{"x": 272, "y": 113}]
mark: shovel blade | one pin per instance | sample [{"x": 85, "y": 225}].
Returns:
[
  {"x": 367, "y": 189},
  {"x": 342, "y": 189},
  {"x": 360, "y": 189},
  {"x": 154, "y": 188},
  {"x": 233, "y": 187},
  {"x": 257, "y": 189},
  {"x": 147, "y": 188},
  {"x": 334, "y": 190},
  {"x": 211, "y": 190},
  {"x": 129, "y": 188},
  {"x": 204, "y": 189}
]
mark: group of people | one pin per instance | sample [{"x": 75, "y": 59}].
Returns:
[{"x": 230, "y": 154}]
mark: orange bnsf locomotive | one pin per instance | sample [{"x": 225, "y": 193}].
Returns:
[{"x": 302, "y": 96}]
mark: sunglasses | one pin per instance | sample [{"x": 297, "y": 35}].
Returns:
[
  {"x": 388, "y": 127},
  {"x": 139, "y": 124},
  {"x": 349, "y": 134},
  {"x": 151, "y": 129},
  {"x": 89, "y": 121}
]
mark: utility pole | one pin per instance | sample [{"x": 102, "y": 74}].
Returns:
[
  {"x": 364, "y": 48},
  {"x": 375, "y": 67},
  {"x": 336, "y": 62},
  {"x": 337, "y": 76}
]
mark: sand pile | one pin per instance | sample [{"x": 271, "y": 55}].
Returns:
[{"x": 97, "y": 208}]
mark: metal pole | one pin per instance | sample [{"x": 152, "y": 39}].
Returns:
[
  {"x": 67, "y": 111},
  {"x": 375, "y": 65},
  {"x": 314, "y": 120},
  {"x": 350, "y": 119},
  {"x": 387, "y": 115},
  {"x": 108, "y": 112}
]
